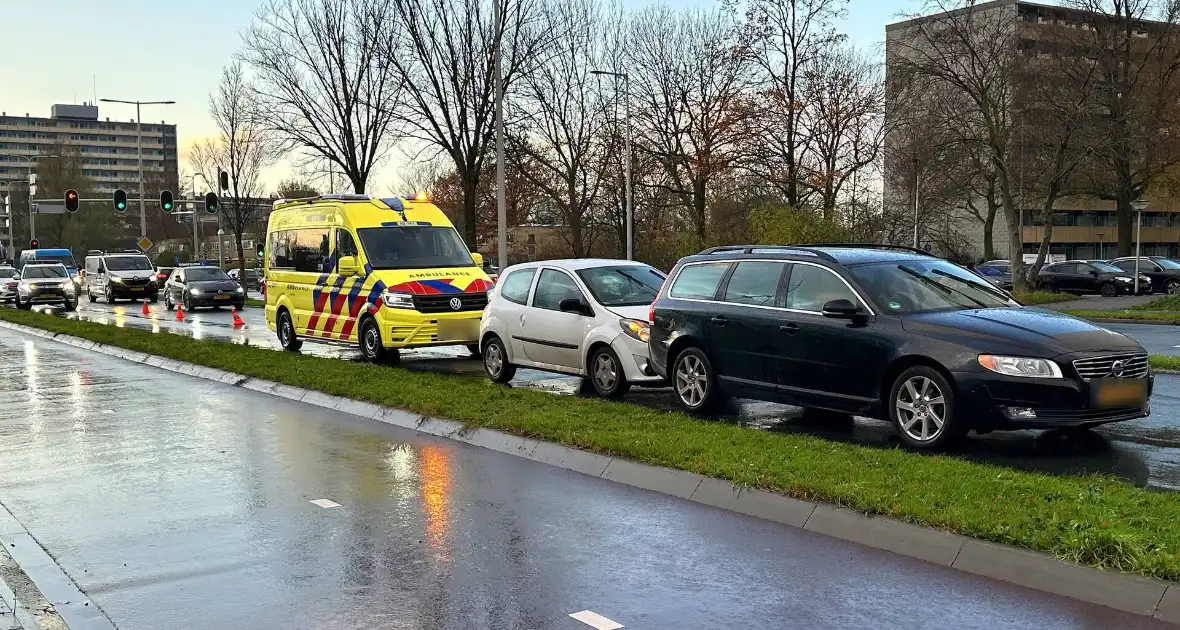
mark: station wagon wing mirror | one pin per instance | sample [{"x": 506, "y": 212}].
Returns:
[
  {"x": 576, "y": 306},
  {"x": 841, "y": 309},
  {"x": 346, "y": 266}
]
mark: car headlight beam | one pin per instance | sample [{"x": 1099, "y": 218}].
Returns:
[{"x": 1020, "y": 366}]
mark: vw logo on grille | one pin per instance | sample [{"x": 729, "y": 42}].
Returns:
[
  {"x": 1117, "y": 368},
  {"x": 456, "y": 304}
]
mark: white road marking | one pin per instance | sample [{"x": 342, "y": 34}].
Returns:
[
  {"x": 596, "y": 621},
  {"x": 325, "y": 503},
  {"x": 108, "y": 411}
]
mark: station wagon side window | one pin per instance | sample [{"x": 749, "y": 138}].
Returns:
[
  {"x": 810, "y": 287},
  {"x": 754, "y": 282},
  {"x": 553, "y": 287},
  {"x": 515, "y": 288},
  {"x": 698, "y": 282}
]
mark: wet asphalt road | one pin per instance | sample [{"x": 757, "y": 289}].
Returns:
[
  {"x": 1145, "y": 452},
  {"x": 197, "y": 514}
]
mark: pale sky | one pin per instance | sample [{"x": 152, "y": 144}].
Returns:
[{"x": 151, "y": 50}]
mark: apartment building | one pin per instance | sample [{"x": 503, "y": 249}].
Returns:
[
  {"x": 1083, "y": 226},
  {"x": 109, "y": 146}
]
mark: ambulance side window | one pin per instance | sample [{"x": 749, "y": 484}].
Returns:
[
  {"x": 309, "y": 250},
  {"x": 279, "y": 250},
  {"x": 345, "y": 246}
]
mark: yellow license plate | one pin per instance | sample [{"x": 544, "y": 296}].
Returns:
[
  {"x": 458, "y": 329},
  {"x": 137, "y": 288},
  {"x": 1120, "y": 393},
  {"x": 221, "y": 297}
]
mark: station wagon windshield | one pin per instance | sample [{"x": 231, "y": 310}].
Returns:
[
  {"x": 636, "y": 285},
  {"x": 1106, "y": 267},
  {"x": 414, "y": 247},
  {"x": 923, "y": 286}
]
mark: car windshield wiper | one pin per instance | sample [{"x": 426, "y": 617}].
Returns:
[
  {"x": 986, "y": 289},
  {"x": 942, "y": 287}
]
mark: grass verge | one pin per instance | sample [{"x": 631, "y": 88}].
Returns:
[
  {"x": 1159, "y": 317},
  {"x": 1094, "y": 520},
  {"x": 1035, "y": 298},
  {"x": 255, "y": 303},
  {"x": 1164, "y": 362}
]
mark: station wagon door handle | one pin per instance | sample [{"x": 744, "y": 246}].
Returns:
[
  {"x": 720, "y": 320},
  {"x": 790, "y": 328}
]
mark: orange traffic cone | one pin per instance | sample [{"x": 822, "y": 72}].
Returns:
[
  {"x": 238, "y": 323},
  {"x": 145, "y": 308},
  {"x": 179, "y": 312}
]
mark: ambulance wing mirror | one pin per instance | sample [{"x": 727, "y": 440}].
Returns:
[{"x": 346, "y": 266}]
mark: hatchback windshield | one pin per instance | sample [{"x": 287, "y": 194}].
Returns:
[
  {"x": 633, "y": 285},
  {"x": 920, "y": 286},
  {"x": 44, "y": 271},
  {"x": 128, "y": 263},
  {"x": 204, "y": 274},
  {"x": 1106, "y": 267},
  {"x": 414, "y": 247}
]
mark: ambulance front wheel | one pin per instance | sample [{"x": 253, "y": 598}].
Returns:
[
  {"x": 286, "y": 329},
  {"x": 371, "y": 347}
]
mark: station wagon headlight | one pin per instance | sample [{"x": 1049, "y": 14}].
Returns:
[
  {"x": 1124, "y": 279},
  {"x": 397, "y": 299},
  {"x": 636, "y": 329},
  {"x": 1020, "y": 366}
]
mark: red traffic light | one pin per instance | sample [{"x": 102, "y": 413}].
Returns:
[
  {"x": 34, "y": 244},
  {"x": 71, "y": 200}
]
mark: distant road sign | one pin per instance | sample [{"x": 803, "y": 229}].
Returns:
[{"x": 144, "y": 243}]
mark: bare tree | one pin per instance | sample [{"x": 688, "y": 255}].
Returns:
[
  {"x": 791, "y": 36},
  {"x": 556, "y": 145},
  {"x": 844, "y": 114},
  {"x": 243, "y": 148},
  {"x": 322, "y": 81},
  {"x": 441, "y": 52},
  {"x": 693, "y": 81}
]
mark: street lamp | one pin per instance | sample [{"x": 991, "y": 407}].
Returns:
[
  {"x": 139, "y": 153},
  {"x": 32, "y": 224},
  {"x": 630, "y": 212},
  {"x": 1139, "y": 205}
]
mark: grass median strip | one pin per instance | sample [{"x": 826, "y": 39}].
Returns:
[
  {"x": 1094, "y": 520},
  {"x": 1034, "y": 298},
  {"x": 1161, "y": 317}
]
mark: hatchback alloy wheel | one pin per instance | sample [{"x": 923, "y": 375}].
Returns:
[
  {"x": 921, "y": 409},
  {"x": 606, "y": 374},
  {"x": 495, "y": 361}
]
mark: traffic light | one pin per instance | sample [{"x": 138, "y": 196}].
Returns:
[
  {"x": 34, "y": 244},
  {"x": 166, "y": 201},
  {"x": 120, "y": 200},
  {"x": 71, "y": 200},
  {"x": 223, "y": 179},
  {"x": 211, "y": 203}
]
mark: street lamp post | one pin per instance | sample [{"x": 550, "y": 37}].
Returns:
[
  {"x": 139, "y": 153},
  {"x": 501, "y": 203},
  {"x": 192, "y": 184},
  {"x": 1139, "y": 205},
  {"x": 32, "y": 223},
  {"x": 630, "y": 207}
]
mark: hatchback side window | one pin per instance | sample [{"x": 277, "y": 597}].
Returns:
[
  {"x": 698, "y": 282},
  {"x": 755, "y": 283},
  {"x": 811, "y": 287},
  {"x": 553, "y": 287},
  {"x": 515, "y": 288}
]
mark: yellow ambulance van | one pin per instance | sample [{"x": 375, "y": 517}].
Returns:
[{"x": 384, "y": 274}]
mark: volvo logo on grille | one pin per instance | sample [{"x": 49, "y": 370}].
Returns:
[
  {"x": 1117, "y": 368},
  {"x": 456, "y": 304}
]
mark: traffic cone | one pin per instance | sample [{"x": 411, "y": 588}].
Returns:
[
  {"x": 179, "y": 312},
  {"x": 238, "y": 323},
  {"x": 145, "y": 308}
]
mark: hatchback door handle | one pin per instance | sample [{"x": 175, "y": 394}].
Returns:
[
  {"x": 790, "y": 328},
  {"x": 720, "y": 320}
]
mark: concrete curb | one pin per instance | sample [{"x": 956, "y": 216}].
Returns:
[{"x": 1121, "y": 591}]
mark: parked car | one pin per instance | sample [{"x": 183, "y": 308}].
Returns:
[
  {"x": 120, "y": 275},
  {"x": 39, "y": 283},
  {"x": 890, "y": 333},
  {"x": 252, "y": 277},
  {"x": 8, "y": 284},
  {"x": 1164, "y": 273},
  {"x": 195, "y": 287},
  {"x": 1089, "y": 276},
  {"x": 584, "y": 317},
  {"x": 1000, "y": 277}
]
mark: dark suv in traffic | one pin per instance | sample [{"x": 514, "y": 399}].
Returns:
[{"x": 891, "y": 333}]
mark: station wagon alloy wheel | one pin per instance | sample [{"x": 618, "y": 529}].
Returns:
[
  {"x": 692, "y": 380},
  {"x": 921, "y": 409}
]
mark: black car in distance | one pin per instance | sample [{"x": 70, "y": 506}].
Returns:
[
  {"x": 890, "y": 333},
  {"x": 1164, "y": 273},
  {"x": 1089, "y": 276},
  {"x": 194, "y": 287}
]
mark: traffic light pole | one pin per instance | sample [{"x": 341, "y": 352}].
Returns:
[{"x": 139, "y": 157}]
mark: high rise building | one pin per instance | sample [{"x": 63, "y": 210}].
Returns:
[{"x": 109, "y": 147}]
